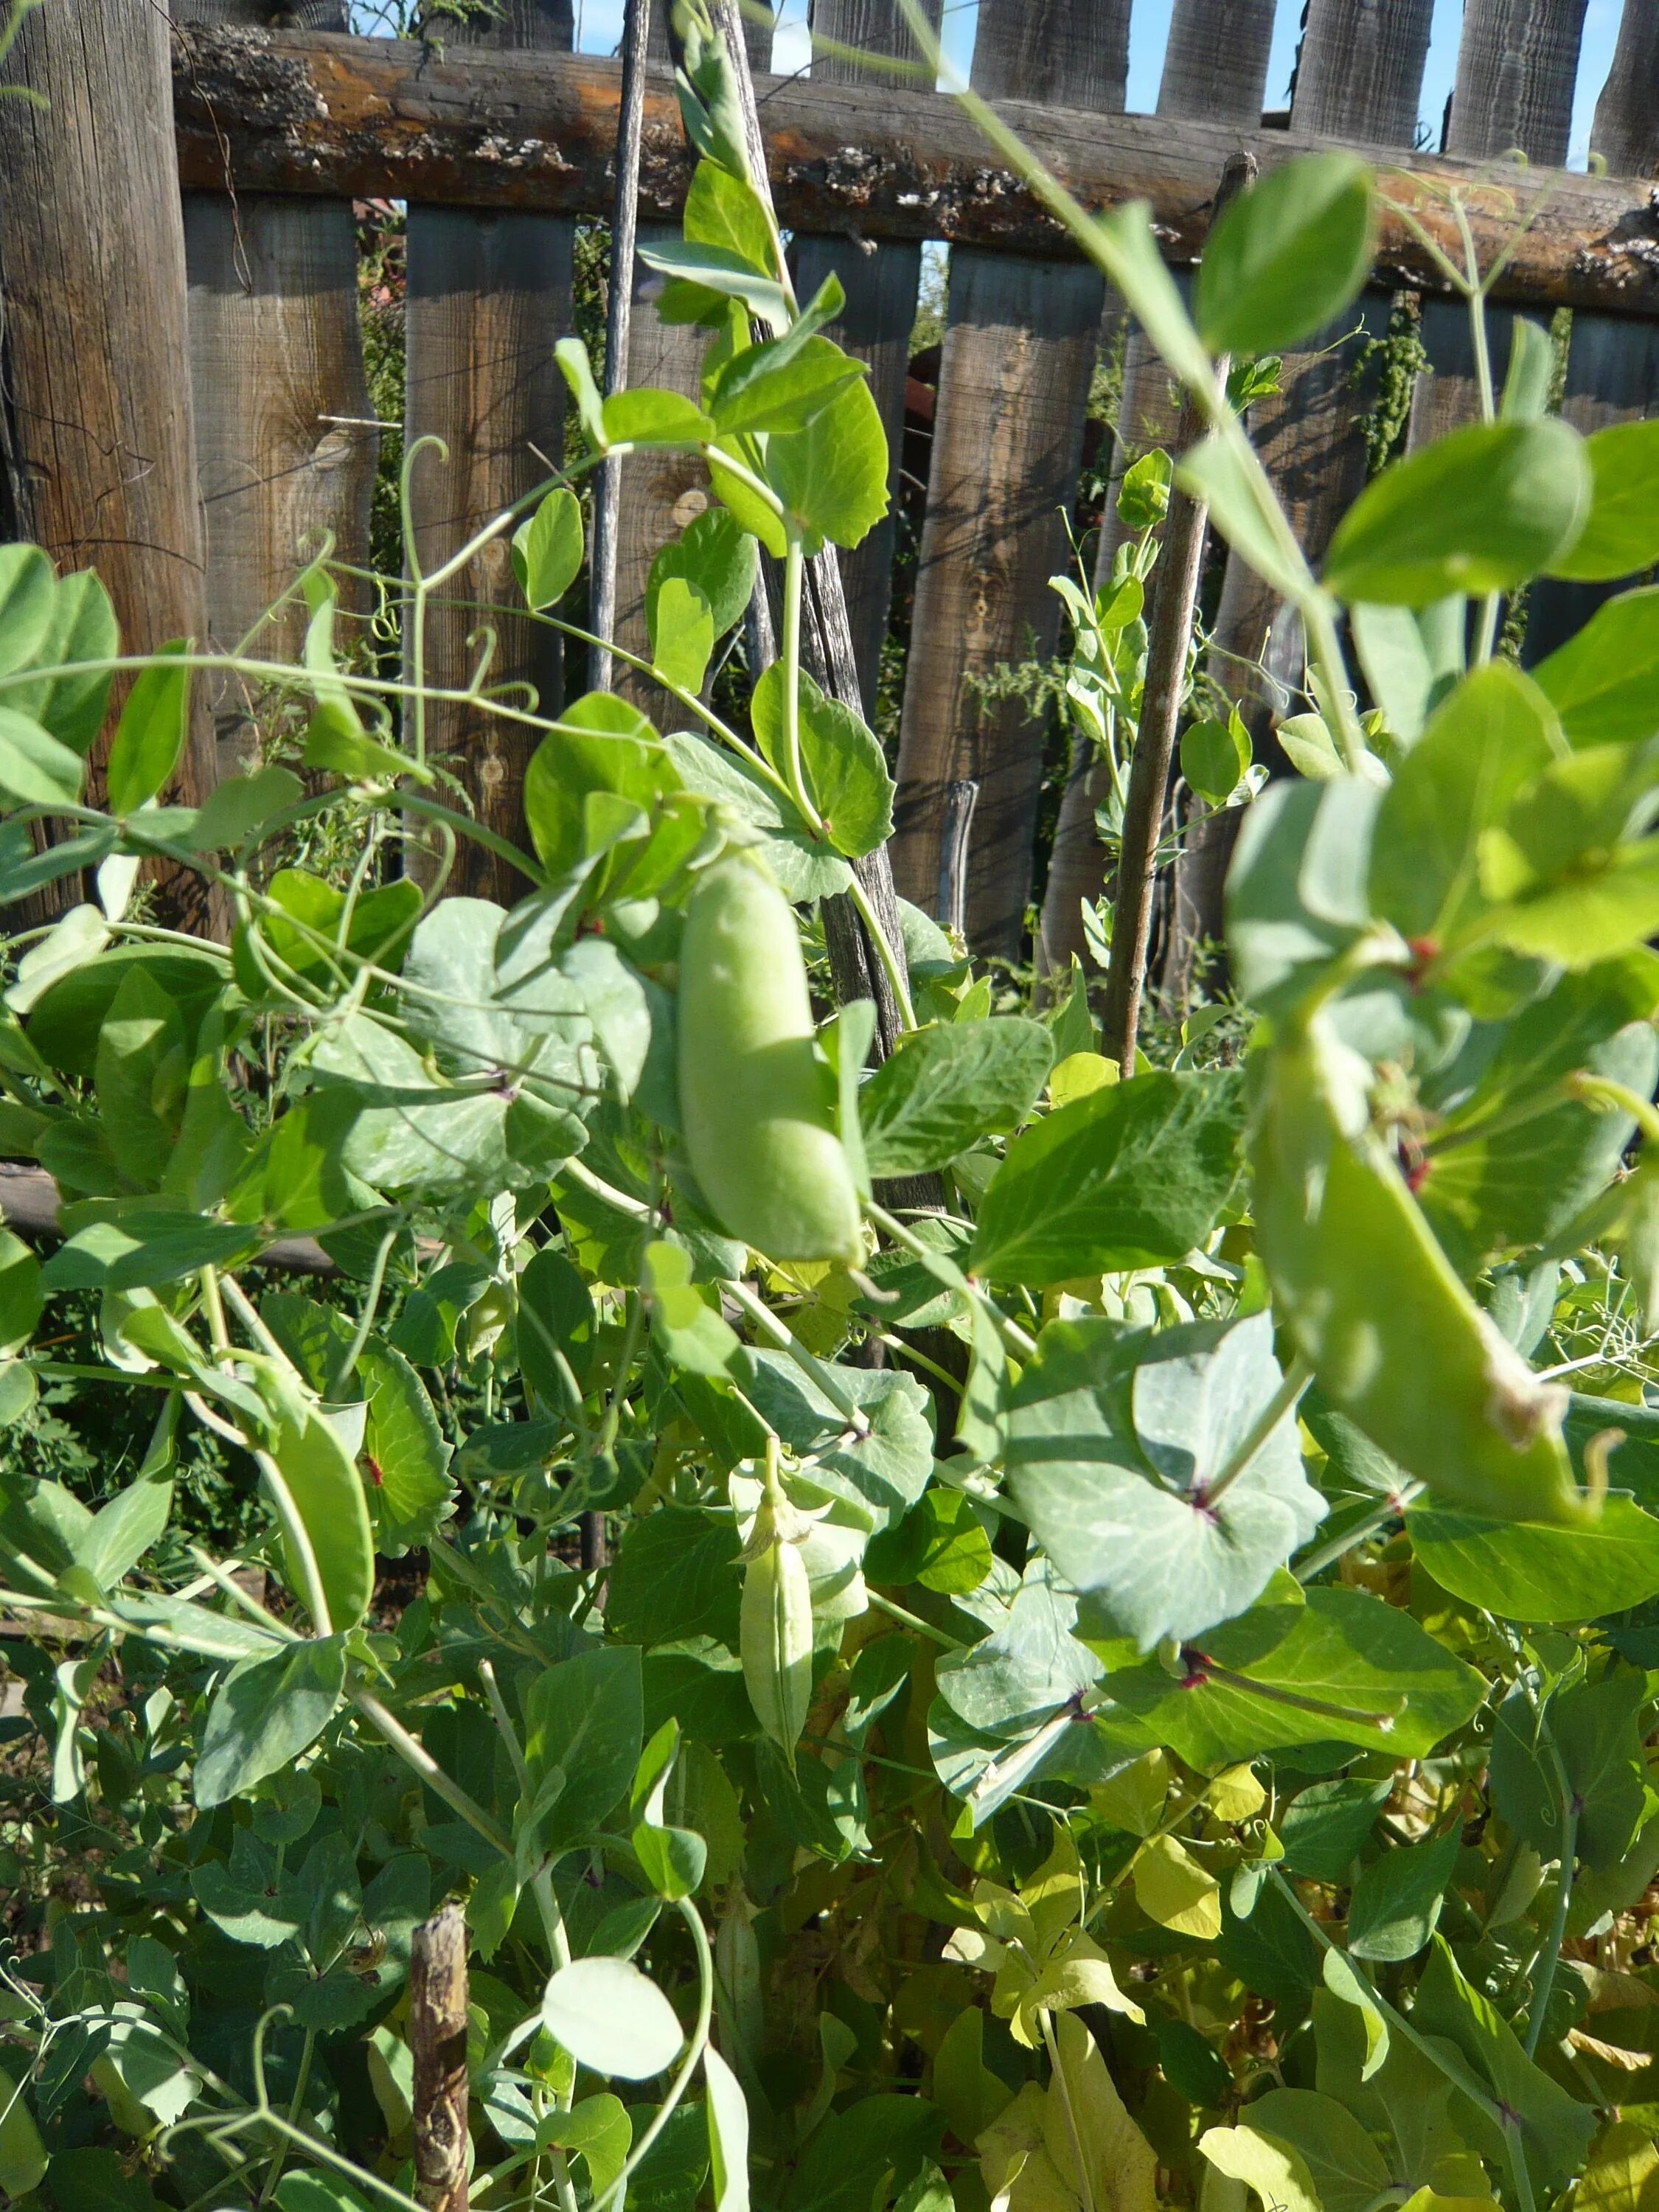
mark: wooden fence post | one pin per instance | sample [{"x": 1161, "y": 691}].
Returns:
[
  {"x": 1517, "y": 66},
  {"x": 284, "y": 447},
  {"x": 881, "y": 283},
  {"x": 1215, "y": 69},
  {"x": 437, "y": 2040},
  {"x": 660, "y": 493},
  {"x": 489, "y": 297},
  {"x": 1359, "y": 76},
  {"x": 99, "y": 448},
  {"x": 1626, "y": 128},
  {"x": 1020, "y": 345},
  {"x": 1613, "y": 363}
]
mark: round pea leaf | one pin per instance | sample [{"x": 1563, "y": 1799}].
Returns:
[{"x": 610, "y": 2017}]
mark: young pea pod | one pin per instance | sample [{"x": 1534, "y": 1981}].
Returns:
[
  {"x": 1373, "y": 1303},
  {"x": 775, "y": 1621},
  {"x": 758, "y": 1127}
]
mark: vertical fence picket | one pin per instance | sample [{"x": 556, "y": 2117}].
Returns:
[
  {"x": 1626, "y": 129},
  {"x": 660, "y": 493},
  {"x": 1517, "y": 66},
  {"x": 1020, "y": 345},
  {"x": 489, "y": 295},
  {"x": 881, "y": 283},
  {"x": 283, "y": 442},
  {"x": 97, "y": 445},
  {"x": 1215, "y": 69},
  {"x": 1613, "y": 361},
  {"x": 1359, "y": 76}
]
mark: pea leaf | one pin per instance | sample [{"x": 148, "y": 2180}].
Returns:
[
  {"x": 150, "y": 735},
  {"x": 1481, "y": 510},
  {"x": 608, "y": 2016},
  {"x": 1536, "y": 1571},
  {"x": 583, "y": 1729},
  {"x": 36, "y": 770},
  {"x": 82, "y": 627},
  {"x": 1620, "y": 535},
  {"x": 1214, "y": 754},
  {"x": 547, "y": 549},
  {"x": 716, "y": 557},
  {"x": 645, "y": 418},
  {"x": 1397, "y": 1899},
  {"x": 832, "y": 475},
  {"x": 1485, "y": 744},
  {"x": 682, "y": 630},
  {"x": 1286, "y": 256},
  {"x": 1131, "y": 1175},
  {"x": 1324, "y": 1829},
  {"x": 265, "y": 1713},
  {"x": 846, "y": 771},
  {"x": 1340, "y": 1666},
  {"x": 28, "y": 591},
  {"x": 1592, "y": 1727},
  {"x": 1554, "y": 2128},
  {"x": 1604, "y": 681},
  {"x": 949, "y": 1086},
  {"x": 1115, "y": 1439}
]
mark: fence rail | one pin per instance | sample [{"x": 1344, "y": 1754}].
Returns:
[
  {"x": 498, "y": 146},
  {"x": 288, "y": 112}
]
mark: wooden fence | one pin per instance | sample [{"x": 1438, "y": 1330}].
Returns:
[{"x": 184, "y": 401}]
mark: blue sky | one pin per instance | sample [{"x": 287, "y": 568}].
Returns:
[{"x": 600, "y": 28}]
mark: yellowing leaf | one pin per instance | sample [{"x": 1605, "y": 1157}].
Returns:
[
  {"x": 1237, "y": 1794},
  {"x": 1019, "y": 2174},
  {"x": 1079, "y": 1074},
  {"x": 1618, "y": 2178},
  {"x": 1053, "y": 1895},
  {"x": 1173, "y": 1889},
  {"x": 1123, "y": 2165},
  {"x": 1133, "y": 1799},
  {"x": 1079, "y": 1974},
  {"x": 1272, "y": 2169}
]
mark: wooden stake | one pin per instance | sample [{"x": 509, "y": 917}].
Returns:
[
  {"x": 437, "y": 2036},
  {"x": 1175, "y": 600},
  {"x": 624, "y": 225}
]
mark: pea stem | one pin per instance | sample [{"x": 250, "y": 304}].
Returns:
[{"x": 1550, "y": 1958}]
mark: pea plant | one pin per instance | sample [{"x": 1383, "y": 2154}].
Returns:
[{"x": 1122, "y": 1660}]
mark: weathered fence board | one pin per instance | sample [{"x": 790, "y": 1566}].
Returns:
[
  {"x": 1215, "y": 66},
  {"x": 99, "y": 450},
  {"x": 1361, "y": 72},
  {"x": 283, "y": 443},
  {"x": 1517, "y": 66},
  {"x": 881, "y": 283},
  {"x": 489, "y": 295},
  {"x": 1626, "y": 128},
  {"x": 1612, "y": 366},
  {"x": 368, "y": 117},
  {"x": 1019, "y": 351}
]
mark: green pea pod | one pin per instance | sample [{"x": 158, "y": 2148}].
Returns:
[
  {"x": 758, "y": 1127},
  {"x": 23, "y": 2153},
  {"x": 775, "y": 1640},
  {"x": 1373, "y": 1303}
]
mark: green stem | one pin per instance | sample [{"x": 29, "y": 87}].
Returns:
[
  {"x": 1543, "y": 1979},
  {"x": 1603, "y": 1090},
  {"x": 792, "y": 561},
  {"x": 415, "y": 1755},
  {"x": 1441, "y": 2055},
  {"x": 899, "y": 982},
  {"x": 301, "y": 2077},
  {"x": 940, "y": 1635},
  {"x": 353, "y": 1350},
  {"x": 689, "y": 2064}
]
